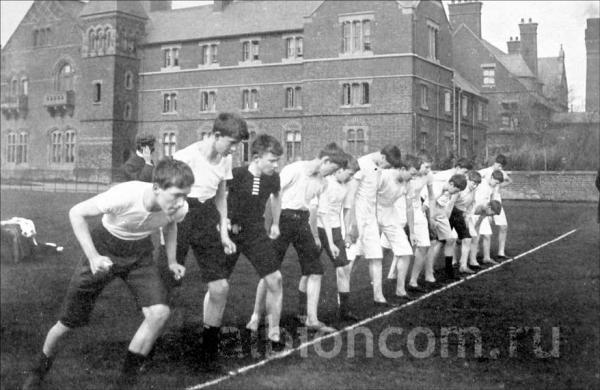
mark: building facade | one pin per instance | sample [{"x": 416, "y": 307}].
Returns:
[
  {"x": 91, "y": 75},
  {"x": 523, "y": 91}
]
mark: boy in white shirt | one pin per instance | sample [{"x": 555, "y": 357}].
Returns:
[
  {"x": 420, "y": 235},
  {"x": 333, "y": 209},
  {"x": 485, "y": 192},
  {"x": 461, "y": 218},
  {"x": 205, "y": 228},
  {"x": 393, "y": 215},
  {"x": 365, "y": 213},
  {"x": 498, "y": 220},
  {"x": 121, "y": 247},
  {"x": 301, "y": 183}
]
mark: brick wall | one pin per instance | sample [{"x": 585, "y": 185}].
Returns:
[{"x": 566, "y": 186}]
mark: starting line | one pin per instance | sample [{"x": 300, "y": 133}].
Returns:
[{"x": 307, "y": 344}]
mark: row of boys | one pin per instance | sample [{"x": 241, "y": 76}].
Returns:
[{"x": 202, "y": 203}]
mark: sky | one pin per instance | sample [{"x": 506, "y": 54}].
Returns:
[{"x": 559, "y": 22}]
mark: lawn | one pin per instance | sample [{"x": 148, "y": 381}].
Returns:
[{"x": 556, "y": 286}]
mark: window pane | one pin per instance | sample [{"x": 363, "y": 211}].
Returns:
[
  {"x": 356, "y": 42},
  {"x": 367, "y": 35},
  {"x": 289, "y": 136},
  {"x": 297, "y": 136},
  {"x": 299, "y": 47},
  {"x": 289, "y": 42},
  {"x": 365, "y": 94},
  {"x": 298, "y": 102},
  {"x": 215, "y": 54},
  {"x": 346, "y": 37}
]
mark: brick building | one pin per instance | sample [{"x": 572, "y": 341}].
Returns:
[
  {"x": 82, "y": 78},
  {"x": 523, "y": 91}
]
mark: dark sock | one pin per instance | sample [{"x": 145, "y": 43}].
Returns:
[
  {"x": 133, "y": 362},
  {"x": 449, "y": 269},
  {"x": 43, "y": 365},
  {"x": 301, "y": 303},
  {"x": 210, "y": 341},
  {"x": 344, "y": 302}
]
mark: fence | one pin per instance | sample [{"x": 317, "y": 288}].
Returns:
[{"x": 534, "y": 185}]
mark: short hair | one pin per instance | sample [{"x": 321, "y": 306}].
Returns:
[
  {"x": 474, "y": 176},
  {"x": 169, "y": 172},
  {"x": 459, "y": 181},
  {"x": 425, "y": 157},
  {"x": 464, "y": 163},
  {"x": 392, "y": 155},
  {"x": 411, "y": 161},
  {"x": 231, "y": 125},
  {"x": 496, "y": 206},
  {"x": 352, "y": 163},
  {"x": 498, "y": 175},
  {"x": 335, "y": 154},
  {"x": 142, "y": 140},
  {"x": 501, "y": 159},
  {"x": 264, "y": 143}
]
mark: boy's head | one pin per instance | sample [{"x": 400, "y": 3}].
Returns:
[
  {"x": 345, "y": 174},
  {"x": 426, "y": 162},
  {"x": 391, "y": 157},
  {"x": 457, "y": 183},
  {"x": 494, "y": 207},
  {"x": 500, "y": 162},
  {"x": 266, "y": 151},
  {"x": 497, "y": 178},
  {"x": 473, "y": 180},
  {"x": 172, "y": 181},
  {"x": 144, "y": 140},
  {"x": 463, "y": 165},
  {"x": 332, "y": 158},
  {"x": 229, "y": 129},
  {"x": 412, "y": 165}
]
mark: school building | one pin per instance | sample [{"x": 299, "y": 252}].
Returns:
[{"x": 81, "y": 79}]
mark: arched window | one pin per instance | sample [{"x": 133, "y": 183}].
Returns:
[
  {"x": 92, "y": 41},
  {"x": 56, "y": 139},
  {"x": 11, "y": 147},
  {"x": 64, "y": 81},
  {"x": 108, "y": 37},
  {"x": 14, "y": 87},
  {"x": 24, "y": 86},
  {"x": 22, "y": 148},
  {"x": 70, "y": 146},
  {"x": 128, "y": 80},
  {"x": 127, "y": 111},
  {"x": 246, "y": 154}
]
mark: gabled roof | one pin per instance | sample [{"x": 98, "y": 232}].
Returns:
[
  {"x": 550, "y": 72},
  {"x": 465, "y": 84},
  {"x": 238, "y": 18},
  {"x": 130, "y": 7}
]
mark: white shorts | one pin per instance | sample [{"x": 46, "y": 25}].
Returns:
[
  {"x": 421, "y": 228},
  {"x": 352, "y": 252},
  {"x": 368, "y": 238},
  {"x": 484, "y": 228},
  {"x": 500, "y": 219},
  {"x": 392, "y": 233}
]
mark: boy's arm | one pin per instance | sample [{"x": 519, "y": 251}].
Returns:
[
  {"x": 77, "y": 215},
  {"x": 170, "y": 234},
  {"x": 275, "y": 214},
  {"x": 221, "y": 204},
  {"x": 312, "y": 221},
  {"x": 335, "y": 251}
]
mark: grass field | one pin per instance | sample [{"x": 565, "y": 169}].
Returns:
[{"x": 556, "y": 286}]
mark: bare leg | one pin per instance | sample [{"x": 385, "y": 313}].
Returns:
[
  {"x": 502, "y": 232},
  {"x": 259, "y": 306},
  {"x": 214, "y": 302},
  {"x": 420, "y": 253},
  {"x": 155, "y": 318},
  {"x": 376, "y": 270},
  {"x": 403, "y": 262},
  {"x": 273, "y": 302}
]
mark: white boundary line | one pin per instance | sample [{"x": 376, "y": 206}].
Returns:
[{"x": 307, "y": 344}]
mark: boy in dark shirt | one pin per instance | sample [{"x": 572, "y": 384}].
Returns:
[{"x": 249, "y": 191}]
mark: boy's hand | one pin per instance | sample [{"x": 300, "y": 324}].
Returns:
[
  {"x": 236, "y": 229},
  {"x": 335, "y": 251},
  {"x": 274, "y": 232},
  {"x": 228, "y": 245},
  {"x": 317, "y": 241},
  {"x": 147, "y": 154},
  {"x": 178, "y": 270},
  {"x": 100, "y": 264}
]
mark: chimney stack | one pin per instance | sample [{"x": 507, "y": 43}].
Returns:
[
  {"x": 514, "y": 47},
  {"x": 592, "y": 78},
  {"x": 528, "y": 32},
  {"x": 467, "y": 13}
]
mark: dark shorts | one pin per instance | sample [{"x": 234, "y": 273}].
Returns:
[
  {"x": 457, "y": 221},
  {"x": 295, "y": 230},
  {"x": 338, "y": 240},
  {"x": 198, "y": 230},
  {"x": 132, "y": 262},
  {"x": 253, "y": 242}
]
